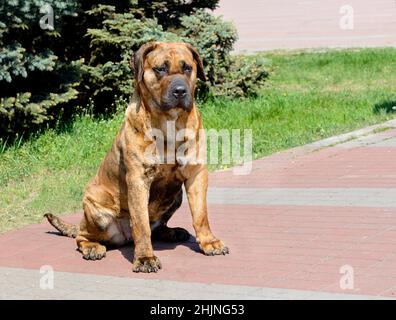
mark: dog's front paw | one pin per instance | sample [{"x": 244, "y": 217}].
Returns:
[
  {"x": 146, "y": 264},
  {"x": 214, "y": 247}
]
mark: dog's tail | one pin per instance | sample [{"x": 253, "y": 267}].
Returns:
[{"x": 66, "y": 229}]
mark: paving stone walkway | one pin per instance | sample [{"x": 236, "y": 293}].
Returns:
[
  {"x": 313, "y": 222},
  {"x": 293, "y": 24}
]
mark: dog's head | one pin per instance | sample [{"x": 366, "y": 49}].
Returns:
[{"x": 165, "y": 74}]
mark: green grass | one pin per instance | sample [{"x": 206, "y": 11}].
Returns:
[{"x": 309, "y": 96}]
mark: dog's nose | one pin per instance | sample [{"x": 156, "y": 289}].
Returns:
[{"x": 179, "y": 92}]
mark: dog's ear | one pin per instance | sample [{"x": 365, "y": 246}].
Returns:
[
  {"x": 137, "y": 60},
  {"x": 198, "y": 60}
]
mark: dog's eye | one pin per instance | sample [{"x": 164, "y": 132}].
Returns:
[
  {"x": 160, "y": 69},
  {"x": 187, "y": 68}
]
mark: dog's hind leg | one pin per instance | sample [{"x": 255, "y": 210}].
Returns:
[
  {"x": 162, "y": 232},
  {"x": 88, "y": 240},
  {"x": 99, "y": 226}
]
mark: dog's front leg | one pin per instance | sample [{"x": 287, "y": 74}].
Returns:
[
  {"x": 138, "y": 197},
  {"x": 196, "y": 187}
]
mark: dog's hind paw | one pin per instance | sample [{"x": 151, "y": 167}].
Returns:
[{"x": 93, "y": 251}]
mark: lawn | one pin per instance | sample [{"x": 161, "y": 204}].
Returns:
[{"x": 309, "y": 96}]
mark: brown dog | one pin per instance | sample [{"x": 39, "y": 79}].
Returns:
[{"x": 132, "y": 198}]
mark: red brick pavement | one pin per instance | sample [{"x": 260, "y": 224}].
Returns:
[
  {"x": 294, "y": 247},
  {"x": 292, "y": 24}
]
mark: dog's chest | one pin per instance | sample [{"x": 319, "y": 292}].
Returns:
[{"x": 166, "y": 185}]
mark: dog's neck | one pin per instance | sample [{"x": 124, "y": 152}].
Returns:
[
  {"x": 170, "y": 124},
  {"x": 158, "y": 118}
]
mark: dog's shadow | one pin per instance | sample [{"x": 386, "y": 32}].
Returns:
[
  {"x": 127, "y": 249},
  {"x": 55, "y": 233}
]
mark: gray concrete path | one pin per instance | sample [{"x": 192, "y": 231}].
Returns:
[
  {"x": 345, "y": 197},
  {"x": 25, "y": 284}
]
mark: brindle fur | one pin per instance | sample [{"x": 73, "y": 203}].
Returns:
[{"x": 129, "y": 193}]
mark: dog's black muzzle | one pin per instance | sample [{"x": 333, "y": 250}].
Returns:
[{"x": 178, "y": 95}]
